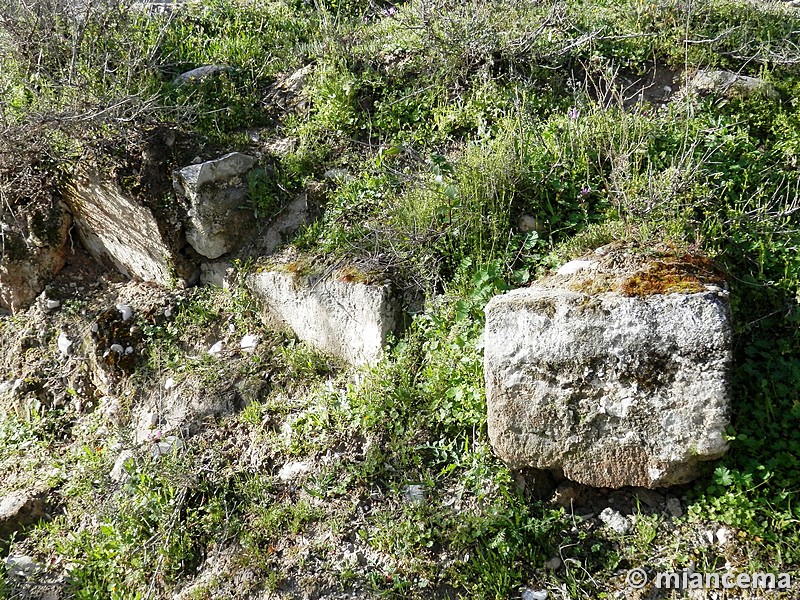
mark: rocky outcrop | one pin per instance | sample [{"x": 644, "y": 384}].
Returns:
[
  {"x": 729, "y": 84},
  {"x": 121, "y": 231},
  {"x": 616, "y": 386},
  {"x": 216, "y": 190},
  {"x": 33, "y": 249},
  {"x": 348, "y": 319}
]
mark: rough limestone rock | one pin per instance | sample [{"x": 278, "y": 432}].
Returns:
[
  {"x": 119, "y": 230},
  {"x": 729, "y": 84},
  {"x": 201, "y": 74},
  {"x": 31, "y": 253},
  {"x": 216, "y": 191},
  {"x": 611, "y": 389},
  {"x": 347, "y": 319},
  {"x": 19, "y": 510}
]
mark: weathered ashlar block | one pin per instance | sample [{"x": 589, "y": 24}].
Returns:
[
  {"x": 610, "y": 390},
  {"x": 350, "y": 320},
  {"x": 216, "y": 190},
  {"x": 118, "y": 229}
]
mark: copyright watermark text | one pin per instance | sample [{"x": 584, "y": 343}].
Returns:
[{"x": 693, "y": 580}]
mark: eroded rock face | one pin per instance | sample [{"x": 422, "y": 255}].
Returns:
[
  {"x": 216, "y": 191},
  {"x": 19, "y": 510},
  {"x": 347, "y": 319},
  {"x": 119, "y": 230},
  {"x": 31, "y": 253},
  {"x": 612, "y": 390}
]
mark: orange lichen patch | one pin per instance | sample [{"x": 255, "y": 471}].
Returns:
[
  {"x": 352, "y": 275},
  {"x": 685, "y": 274}
]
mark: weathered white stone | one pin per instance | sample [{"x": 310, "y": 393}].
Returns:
[
  {"x": 612, "y": 390},
  {"x": 115, "y": 228},
  {"x": 249, "y": 342},
  {"x": 216, "y": 191},
  {"x": 349, "y": 320},
  {"x": 119, "y": 471},
  {"x": 615, "y": 520},
  {"x": 200, "y": 74},
  {"x": 19, "y": 566},
  {"x": 64, "y": 343},
  {"x": 286, "y": 222},
  {"x": 181, "y": 408},
  {"x": 291, "y": 470},
  {"x": 674, "y": 508},
  {"x": 729, "y": 84},
  {"x": 216, "y": 273}
]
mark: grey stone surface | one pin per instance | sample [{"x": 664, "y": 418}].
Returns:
[
  {"x": 116, "y": 228},
  {"x": 729, "y": 84},
  {"x": 612, "y": 390},
  {"x": 19, "y": 510},
  {"x": 615, "y": 520},
  {"x": 200, "y": 73},
  {"x": 217, "y": 192},
  {"x": 347, "y": 319}
]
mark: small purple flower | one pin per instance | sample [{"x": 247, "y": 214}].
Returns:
[
  {"x": 573, "y": 113},
  {"x": 389, "y": 12},
  {"x": 585, "y": 190}
]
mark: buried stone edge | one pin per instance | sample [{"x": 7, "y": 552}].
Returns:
[{"x": 350, "y": 320}]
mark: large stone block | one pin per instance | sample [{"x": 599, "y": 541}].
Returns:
[
  {"x": 731, "y": 85},
  {"x": 350, "y": 320},
  {"x": 612, "y": 390},
  {"x": 216, "y": 191},
  {"x": 117, "y": 228}
]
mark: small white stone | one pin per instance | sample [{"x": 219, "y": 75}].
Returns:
[
  {"x": 529, "y": 594},
  {"x": 129, "y": 350},
  {"x": 117, "y": 348},
  {"x": 232, "y": 328},
  {"x": 51, "y": 304},
  {"x": 119, "y": 472},
  {"x": 64, "y": 343},
  {"x": 528, "y": 223},
  {"x": 724, "y": 536},
  {"x": 249, "y": 342},
  {"x": 215, "y": 349},
  {"x": 125, "y": 310},
  {"x": 169, "y": 383},
  {"x": 95, "y": 328},
  {"x": 168, "y": 312},
  {"x": 615, "y": 520},
  {"x": 574, "y": 266},
  {"x": 292, "y": 469}
]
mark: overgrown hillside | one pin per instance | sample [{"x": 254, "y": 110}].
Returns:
[{"x": 461, "y": 149}]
